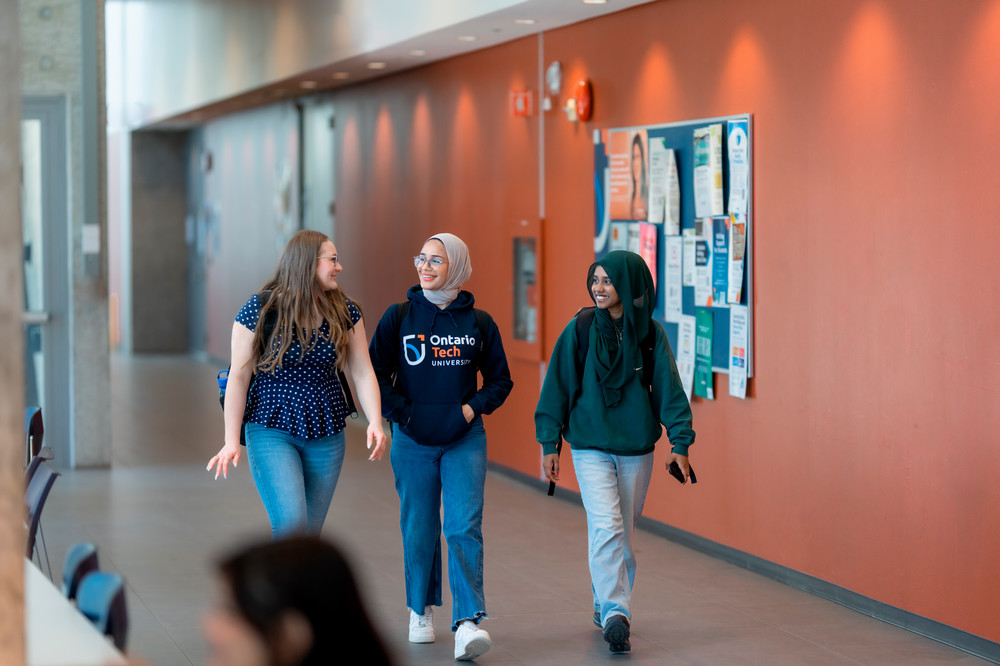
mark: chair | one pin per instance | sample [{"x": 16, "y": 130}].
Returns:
[
  {"x": 34, "y": 430},
  {"x": 45, "y": 453},
  {"x": 101, "y": 598},
  {"x": 35, "y": 494},
  {"x": 80, "y": 561}
]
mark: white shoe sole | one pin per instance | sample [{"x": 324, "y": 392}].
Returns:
[
  {"x": 421, "y": 637},
  {"x": 474, "y": 648}
]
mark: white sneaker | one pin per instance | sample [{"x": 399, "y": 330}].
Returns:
[
  {"x": 471, "y": 641},
  {"x": 422, "y": 626}
]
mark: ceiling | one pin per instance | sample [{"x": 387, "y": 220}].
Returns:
[{"x": 401, "y": 44}]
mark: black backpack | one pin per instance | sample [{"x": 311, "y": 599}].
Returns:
[{"x": 270, "y": 320}]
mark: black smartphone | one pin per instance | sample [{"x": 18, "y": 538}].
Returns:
[{"x": 675, "y": 471}]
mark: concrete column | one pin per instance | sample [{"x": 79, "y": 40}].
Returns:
[{"x": 12, "y": 351}]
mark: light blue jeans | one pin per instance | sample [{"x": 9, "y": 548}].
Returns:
[
  {"x": 295, "y": 477},
  {"x": 428, "y": 477},
  {"x": 613, "y": 489}
]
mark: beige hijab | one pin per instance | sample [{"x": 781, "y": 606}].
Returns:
[{"x": 459, "y": 270}]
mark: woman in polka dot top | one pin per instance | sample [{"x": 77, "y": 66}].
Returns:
[{"x": 283, "y": 382}]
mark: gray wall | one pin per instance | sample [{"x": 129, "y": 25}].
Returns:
[
  {"x": 159, "y": 252},
  {"x": 243, "y": 184}
]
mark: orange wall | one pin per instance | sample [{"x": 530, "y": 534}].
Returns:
[{"x": 867, "y": 450}]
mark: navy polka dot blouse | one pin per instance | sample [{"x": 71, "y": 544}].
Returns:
[{"x": 302, "y": 397}]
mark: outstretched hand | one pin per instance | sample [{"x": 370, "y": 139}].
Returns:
[{"x": 227, "y": 454}]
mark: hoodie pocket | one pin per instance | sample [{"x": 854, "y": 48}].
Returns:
[{"x": 434, "y": 425}]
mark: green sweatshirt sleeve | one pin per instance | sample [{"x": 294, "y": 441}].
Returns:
[
  {"x": 668, "y": 399},
  {"x": 560, "y": 385}
]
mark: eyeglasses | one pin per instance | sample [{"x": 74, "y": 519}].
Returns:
[
  {"x": 436, "y": 262},
  {"x": 330, "y": 257}
]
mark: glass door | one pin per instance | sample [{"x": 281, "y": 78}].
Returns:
[{"x": 46, "y": 277}]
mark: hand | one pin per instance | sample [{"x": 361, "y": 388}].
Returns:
[
  {"x": 550, "y": 463},
  {"x": 227, "y": 454},
  {"x": 682, "y": 462},
  {"x": 376, "y": 438},
  {"x": 468, "y": 413}
]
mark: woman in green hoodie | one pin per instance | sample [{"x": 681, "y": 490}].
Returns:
[{"x": 610, "y": 409}]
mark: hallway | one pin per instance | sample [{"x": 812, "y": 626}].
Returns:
[{"x": 160, "y": 519}]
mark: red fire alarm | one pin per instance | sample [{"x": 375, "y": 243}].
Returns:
[
  {"x": 584, "y": 100},
  {"x": 522, "y": 103}
]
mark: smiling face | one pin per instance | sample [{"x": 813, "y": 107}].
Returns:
[
  {"x": 428, "y": 275},
  {"x": 605, "y": 294},
  {"x": 328, "y": 266}
]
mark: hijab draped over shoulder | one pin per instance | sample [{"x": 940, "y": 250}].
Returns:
[{"x": 616, "y": 362}]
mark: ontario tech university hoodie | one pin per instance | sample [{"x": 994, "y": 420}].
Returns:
[{"x": 427, "y": 367}]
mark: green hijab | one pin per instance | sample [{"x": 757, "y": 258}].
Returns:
[{"x": 617, "y": 362}]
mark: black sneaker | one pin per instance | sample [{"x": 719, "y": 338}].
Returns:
[{"x": 616, "y": 633}]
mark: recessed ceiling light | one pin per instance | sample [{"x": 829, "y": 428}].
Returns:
[
  {"x": 525, "y": 21},
  {"x": 467, "y": 38},
  {"x": 340, "y": 76},
  {"x": 418, "y": 52},
  {"x": 595, "y": 2},
  {"x": 376, "y": 65},
  {"x": 307, "y": 84}
]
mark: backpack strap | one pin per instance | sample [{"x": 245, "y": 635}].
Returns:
[{"x": 483, "y": 324}]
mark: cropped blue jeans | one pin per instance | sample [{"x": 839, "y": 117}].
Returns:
[
  {"x": 427, "y": 478},
  {"x": 295, "y": 477},
  {"x": 613, "y": 489}
]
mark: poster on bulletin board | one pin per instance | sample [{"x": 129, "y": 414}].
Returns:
[{"x": 681, "y": 195}]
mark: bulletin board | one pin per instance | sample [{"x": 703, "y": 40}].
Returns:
[{"x": 679, "y": 137}]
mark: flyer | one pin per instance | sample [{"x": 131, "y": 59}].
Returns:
[
  {"x": 672, "y": 191},
  {"x": 737, "y": 250},
  {"x": 685, "y": 352},
  {"x": 647, "y": 246},
  {"x": 619, "y": 236},
  {"x": 708, "y": 171},
  {"x": 633, "y": 243},
  {"x": 720, "y": 261},
  {"x": 738, "y": 145},
  {"x": 673, "y": 293},
  {"x": 703, "y": 378},
  {"x": 703, "y": 263},
  {"x": 657, "y": 180},
  {"x": 629, "y": 183},
  {"x": 738, "y": 351},
  {"x": 687, "y": 266}
]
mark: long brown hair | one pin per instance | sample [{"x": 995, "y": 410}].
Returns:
[{"x": 297, "y": 300}]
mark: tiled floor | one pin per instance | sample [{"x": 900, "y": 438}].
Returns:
[{"x": 160, "y": 519}]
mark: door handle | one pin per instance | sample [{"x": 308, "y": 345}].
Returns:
[{"x": 35, "y": 317}]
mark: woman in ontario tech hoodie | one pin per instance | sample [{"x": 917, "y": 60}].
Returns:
[{"x": 426, "y": 353}]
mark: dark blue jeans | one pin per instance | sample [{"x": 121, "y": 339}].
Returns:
[
  {"x": 295, "y": 477},
  {"x": 427, "y": 477}
]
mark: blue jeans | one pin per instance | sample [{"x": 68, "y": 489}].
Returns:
[
  {"x": 613, "y": 489},
  {"x": 295, "y": 477},
  {"x": 426, "y": 475}
]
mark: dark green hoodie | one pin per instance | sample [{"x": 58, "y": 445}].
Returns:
[{"x": 612, "y": 410}]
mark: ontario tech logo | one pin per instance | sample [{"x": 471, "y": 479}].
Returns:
[{"x": 410, "y": 350}]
